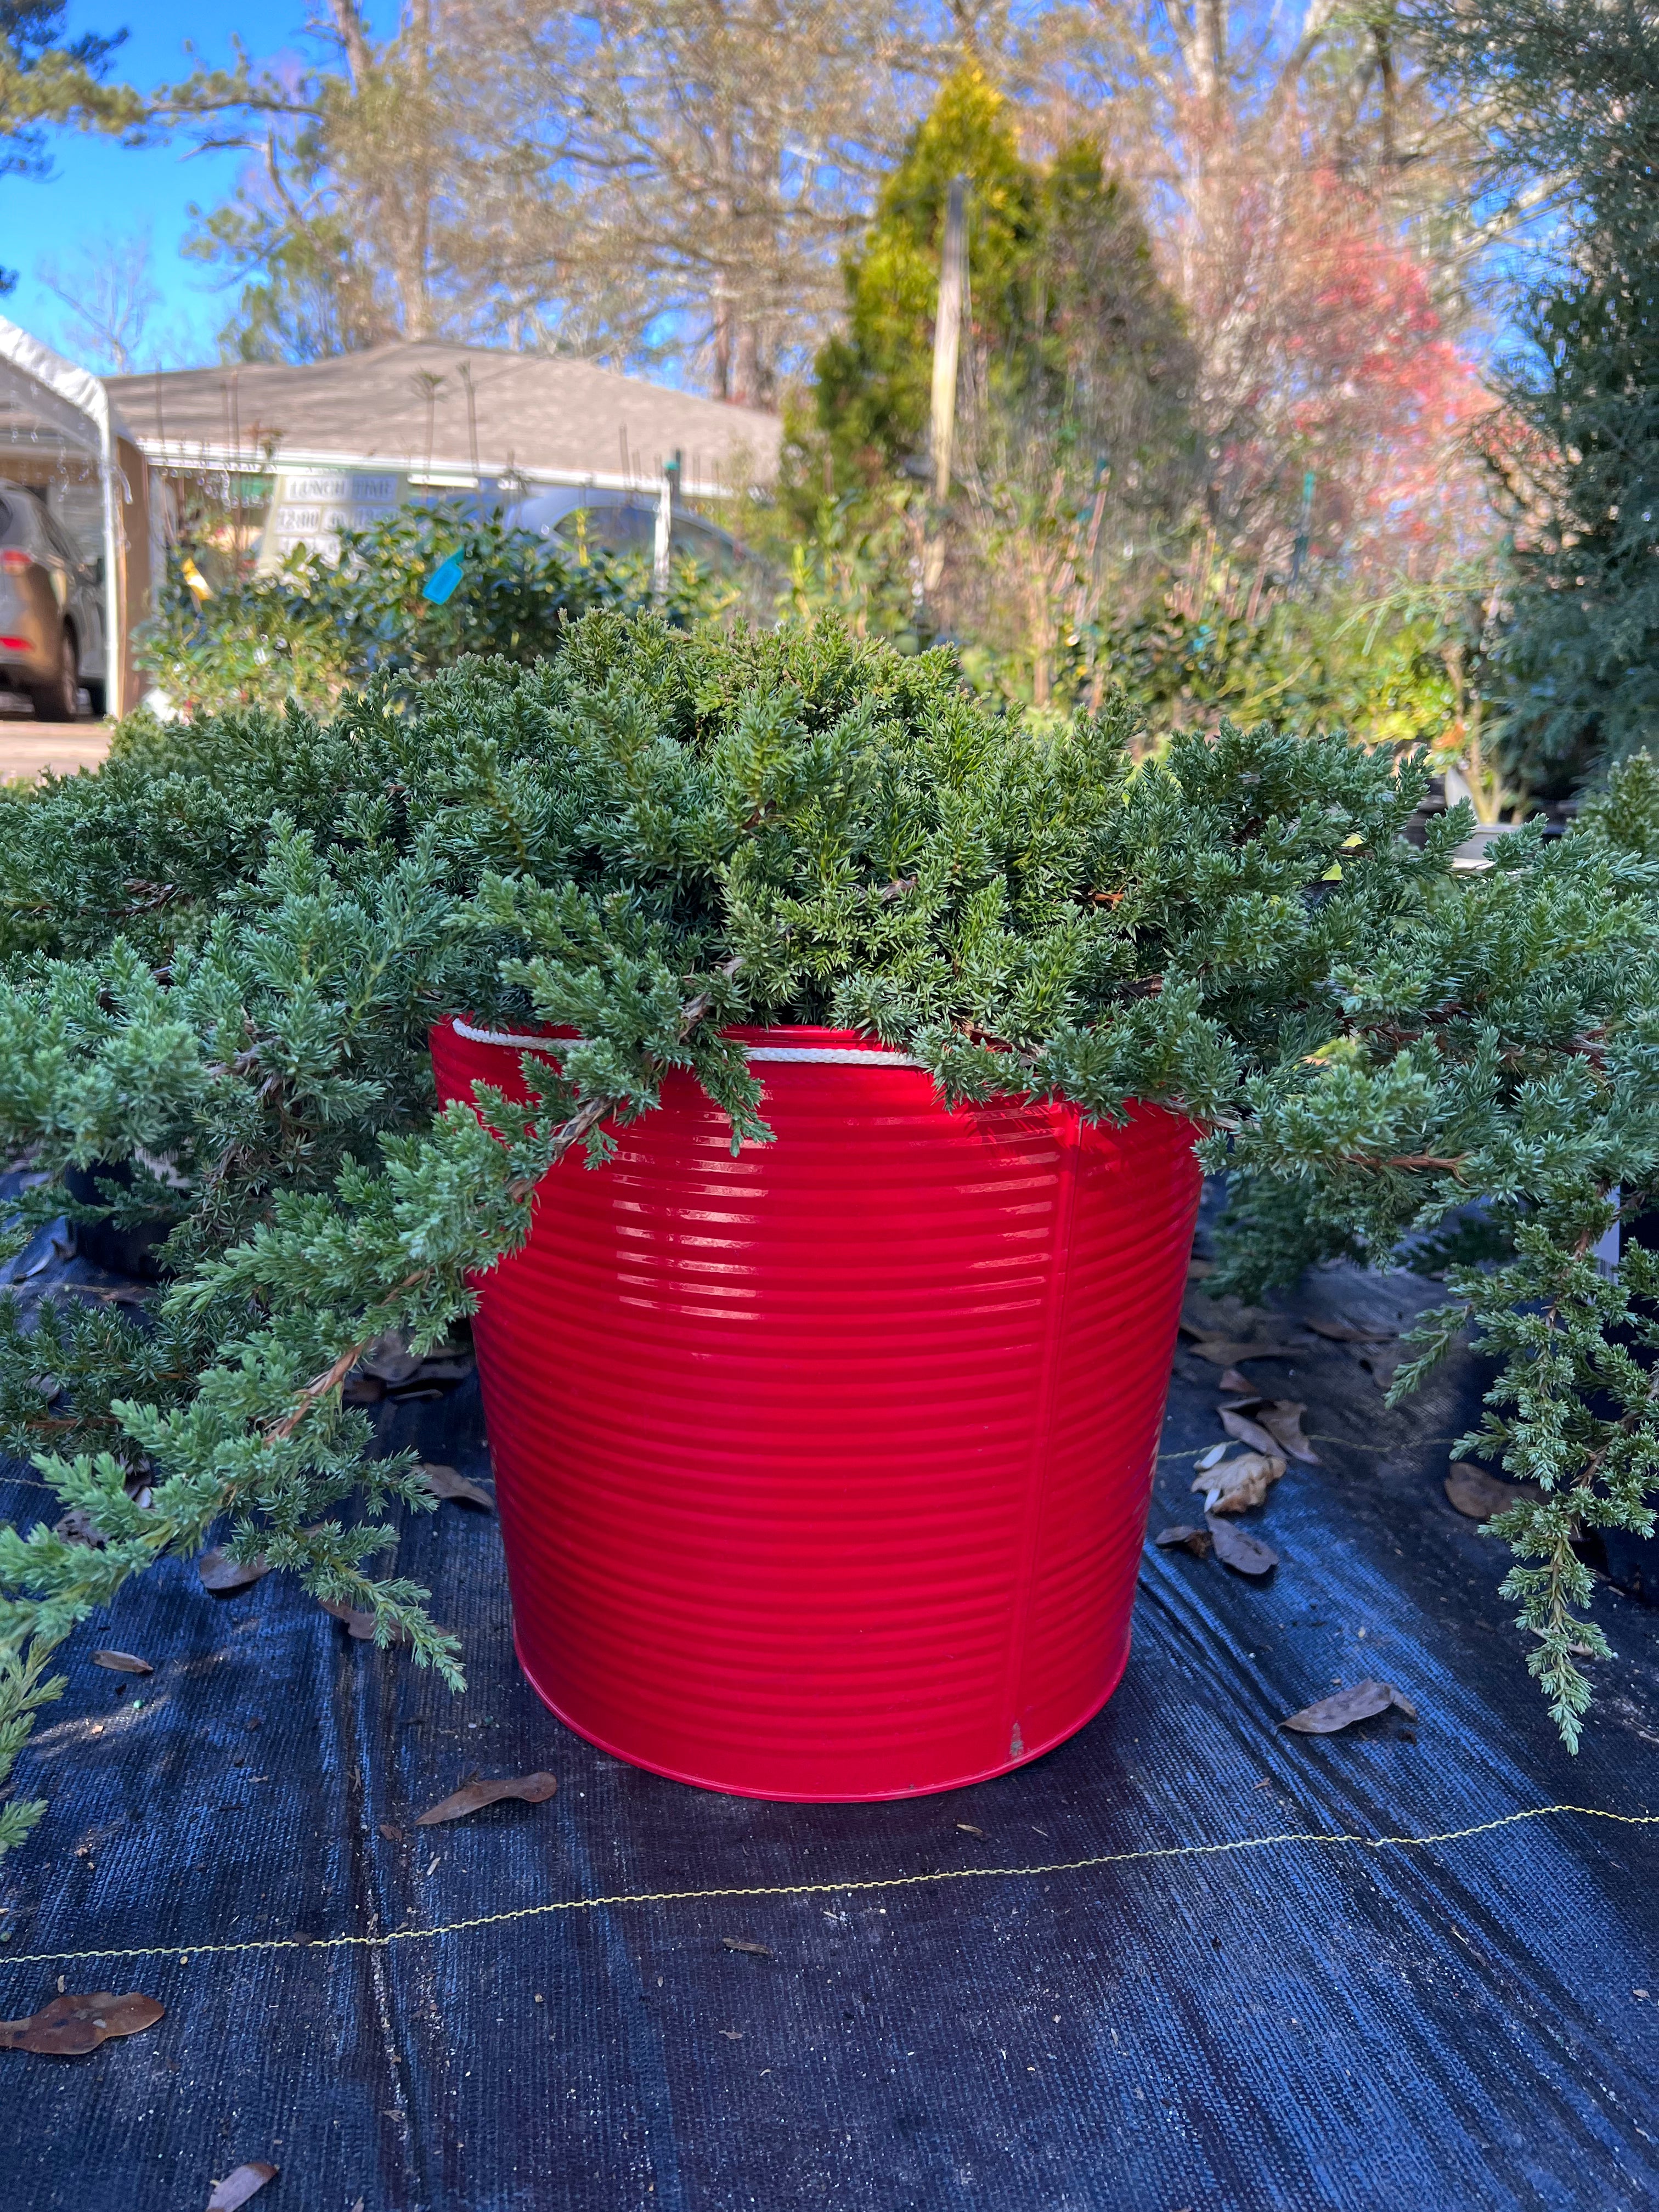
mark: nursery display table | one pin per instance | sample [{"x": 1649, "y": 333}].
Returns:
[{"x": 1097, "y": 1981}]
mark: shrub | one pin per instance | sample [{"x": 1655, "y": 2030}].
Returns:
[
  {"x": 222, "y": 954},
  {"x": 316, "y": 626}
]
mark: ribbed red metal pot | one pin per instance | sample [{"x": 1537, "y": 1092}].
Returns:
[{"x": 823, "y": 1470}]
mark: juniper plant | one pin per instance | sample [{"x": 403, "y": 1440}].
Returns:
[{"x": 221, "y": 956}]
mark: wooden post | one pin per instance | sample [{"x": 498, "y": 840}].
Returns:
[{"x": 947, "y": 333}]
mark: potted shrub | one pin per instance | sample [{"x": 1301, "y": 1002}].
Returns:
[{"x": 659, "y": 843}]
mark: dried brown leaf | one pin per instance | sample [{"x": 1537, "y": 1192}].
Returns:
[
  {"x": 1480, "y": 1495},
  {"x": 1198, "y": 1269},
  {"x": 1282, "y": 1419},
  {"x": 71, "y": 2025},
  {"x": 444, "y": 1482},
  {"x": 1350, "y": 1332},
  {"x": 122, "y": 1662},
  {"x": 1232, "y": 1380},
  {"x": 236, "y": 2188},
  {"x": 1229, "y": 1352},
  {"x": 533, "y": 1789},
  {"x": 389, "y": 1359},
  {"x": 1242, "y": 1430},
  {"x": 1344, "y": 1708},
  {"x": 743, "y": 1944},
  {"x": 442, "y": 1368},
  {"x": 393, "y": 1834},
  {"x": 78, "y": 1527},
  {"x": 1202, "y": 1316},
  {"x": 359, "y": 1625},
  {"x": 1245, "y": 1554},
  {"x": 1183, "y": 1539},
  {"x": 969, "y": 1829},
  {"x": 1238, "y": 1484},
  {"x": 221, "y": 1573}
]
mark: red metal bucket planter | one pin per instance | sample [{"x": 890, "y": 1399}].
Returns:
[{"x": 824, "y": 1471}]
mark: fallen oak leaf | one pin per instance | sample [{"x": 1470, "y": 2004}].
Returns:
[
  {"x": 532, "y": 1788},
  {"x": 122, "y": 1662},
  {"x": 246, "y": 2181},
  {"x": 1345, "y": 1707},
  {"x": 1348, "y": 1332},
  {"x": 1282, "y": 1419},
  {"x": 1232, "y": 1380},
  {"x": 1479, "y": 1495},
  {"x": 1245, "y": 1554},
  {"x": 441, "y": 1369},
  {"x": 1238, "y": 1484},
  {"x": 359, "y": 1626},
  {"x": 219, "y": 1572},
  {"x": 78, "y": 1527},
  {"x": 1203, "y": 1315},
  {"x": 71, "y": 2025},
  {"x": 1229, "y": 1352},
  {"x": 1183, "y": 1539},
  {"x": 444, "y": 1482},
  {"x": 389, "y": 1359},
  {"x": 743, "y": 1944},
  {"x": 1243, "y": 1431}
]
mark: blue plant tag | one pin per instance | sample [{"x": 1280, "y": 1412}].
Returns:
[{"x": 443, "y": 580}]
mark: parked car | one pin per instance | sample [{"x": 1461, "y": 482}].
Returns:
[{"x": 51, "y": 615}]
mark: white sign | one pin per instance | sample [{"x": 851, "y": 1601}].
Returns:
[{"x": 311, "y": 509}]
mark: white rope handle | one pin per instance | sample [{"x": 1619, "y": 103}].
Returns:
[{"x": 818, "y": 1055}]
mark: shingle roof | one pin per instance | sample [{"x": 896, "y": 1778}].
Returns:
[{"x": 406, "y": 406}]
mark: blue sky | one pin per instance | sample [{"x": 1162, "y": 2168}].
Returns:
[{"x": 97, "y": 189}]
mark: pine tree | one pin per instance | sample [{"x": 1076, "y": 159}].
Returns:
[
  {"x": 221, "y": 955},
  {"x": 46, "y": 78}
]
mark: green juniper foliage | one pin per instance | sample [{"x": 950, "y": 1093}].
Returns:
[
  {"x": 1566, "y": 95},
  {"x": 221, "y": 955}
]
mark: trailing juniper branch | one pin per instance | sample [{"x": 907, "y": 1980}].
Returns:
[{"x": 223, "y": 953}]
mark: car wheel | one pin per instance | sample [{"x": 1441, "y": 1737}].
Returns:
[{"x": 60, "y": 700}]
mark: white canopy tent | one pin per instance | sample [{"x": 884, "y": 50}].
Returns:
[{"x": 59, "y": 431}]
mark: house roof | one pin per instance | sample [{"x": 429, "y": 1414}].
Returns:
[{"x": 406, "y": 407}]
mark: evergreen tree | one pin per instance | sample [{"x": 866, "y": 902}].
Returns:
[
  {"x": 1066, "y": 314},
  {"x": 1570, "y": 92},
  {"x": 46, "y": 78}
]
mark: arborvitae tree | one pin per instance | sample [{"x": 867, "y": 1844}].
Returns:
[
  {"x": 1067, "y": 321},
  {"x": 222, "y": 954},
  {"x": 1570, "y": 92}
]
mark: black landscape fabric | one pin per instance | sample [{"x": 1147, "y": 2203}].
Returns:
[{"x": 1472, "y": 2022}]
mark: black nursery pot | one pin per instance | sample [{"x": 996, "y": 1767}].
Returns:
[{"x": 119, "y": 1251}]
